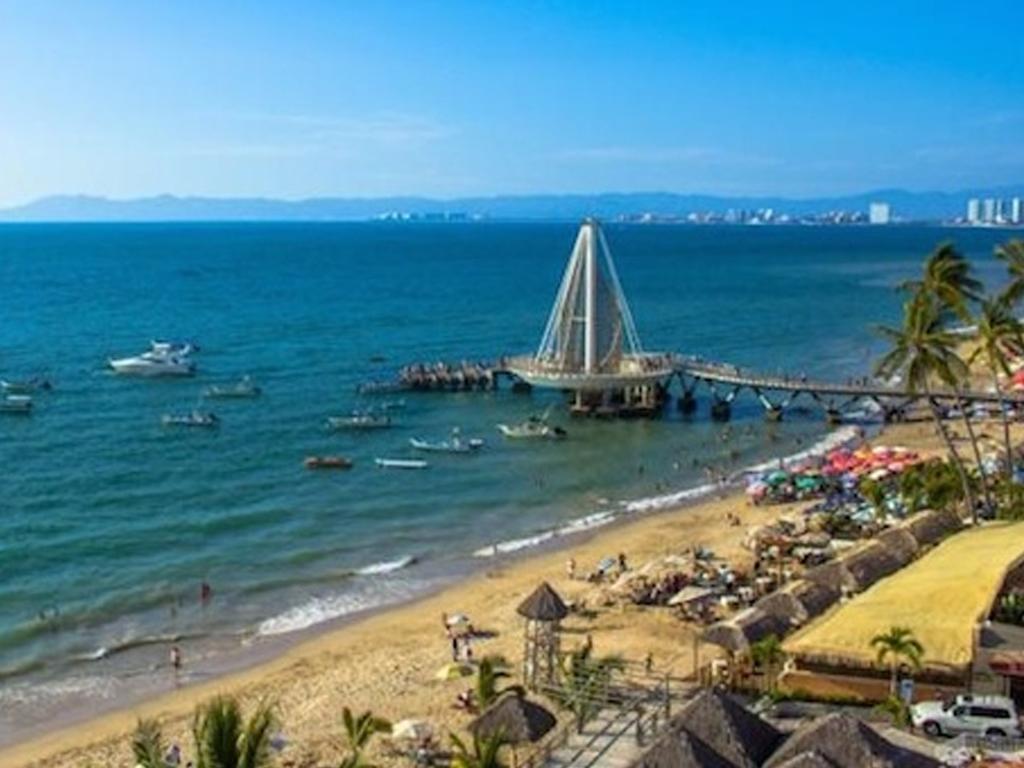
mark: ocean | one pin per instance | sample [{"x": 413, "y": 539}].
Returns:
[{"x": 110, "y": 522}]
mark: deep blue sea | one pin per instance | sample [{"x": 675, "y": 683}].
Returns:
[{"x": 109, "y": 522}]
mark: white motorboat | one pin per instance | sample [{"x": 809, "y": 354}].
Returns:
[
  {"x": 181, "y": 348},
  {"x": 16, "y": 404},
  {"x": 455, "y": 444},
  {"x": 359, "y": 420},
  {"x": 26, "y": 386},
  {"x": 532, "y": 428},
  {"x": 149, "y": 364},
  {"x": 194, "y": 419},
  {"x": 401, "y": 463},
  {"x": 240, "y": 390}
]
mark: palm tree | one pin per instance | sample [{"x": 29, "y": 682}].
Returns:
[
  {"x": 999, "y": 332},
  {"x": 224, "y": 739},
  {"x": 486, "y": 751},
  {"x": 490, "y": 670},
  {"x": 148, "y": 745},
  {"x": 922, "y": 350},
  {"x": 358, "y": 732},
  {"x": 583, "y": 683},
  {"x": 947, "y": 277},
  {"x": 896, "y": 645},
  {"x": 767, "y": 654},
  {"x": 1012, "y": 253}
]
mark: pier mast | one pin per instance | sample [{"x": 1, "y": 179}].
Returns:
[{"x": 590, "y": 345}]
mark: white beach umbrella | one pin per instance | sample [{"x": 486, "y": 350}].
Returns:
[{"x": 413, "y": 730}]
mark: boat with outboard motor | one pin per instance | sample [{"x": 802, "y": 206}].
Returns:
[
  {"x": 26, "y": 386},
  {"x": 327, "y": 462},
  {"x": 16, "y": 404},
  {"x": 359, "y": 420},
  {"x": 534, "y": 427},
  {"x": 455, "y": 444},
  {"x": 243, "y": 389},
  {"x": 193, "y": 419}
]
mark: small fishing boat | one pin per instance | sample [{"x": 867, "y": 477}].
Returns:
[
  {"x": 455, "y": 444},
  {"x": 532, "y": 428},
  {"x": 194, "y": 419},
  {"x": 240, "y": 390},
  {"x": 380, "y": 387},
  {"x": 26, "y": 386},
  {"x": 16, "y": 404},
  {"x": 392, "y": 405},
  {"x": 401, "y": 463},
  {"x": 359, "y": 421},
  {"x": 327, "y": 462}
]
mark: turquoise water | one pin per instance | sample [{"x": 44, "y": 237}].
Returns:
[{"x": 110, "y": 521}]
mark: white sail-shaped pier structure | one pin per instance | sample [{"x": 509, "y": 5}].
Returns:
[{"x": 590, "y": 344}]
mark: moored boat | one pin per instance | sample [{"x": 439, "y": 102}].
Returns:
[
  {"x": 327, "y": 462},
  {"x": 532, "y": 428},
  {"x": 163, "y": 359},
  {"x": 245, "y": 388},
  {"x": 401, "y": 463},
  {"x": 16, "y": 404},
  {"x": 194, "y": 419},
  {"x": 455, "y": 444},
  {"x": 359, "y": 421},
  {"x": 26, "y": 386}
]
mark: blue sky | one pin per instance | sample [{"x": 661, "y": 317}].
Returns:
[{"x": 296, "y": 99}]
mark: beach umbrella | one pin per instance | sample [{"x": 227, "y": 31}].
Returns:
[
  {"x": 757, "y": 488},
  {"x": 412, "y": 730},
  {"x": 453, "y": 671},
  {"x": 776, "y": 477},
  {"x": 879, "y": 474},
  {"x": 456, "y": 619}
]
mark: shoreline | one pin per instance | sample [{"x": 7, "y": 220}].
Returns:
[{"x": 699, "y": 509}]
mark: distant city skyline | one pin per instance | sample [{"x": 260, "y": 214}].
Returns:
[{"x": 455, "y": 99}]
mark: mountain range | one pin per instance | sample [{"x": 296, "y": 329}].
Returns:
[{"x": 906, "y": 205}]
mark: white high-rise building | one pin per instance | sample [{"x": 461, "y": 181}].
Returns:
[
  {"x": 988, "y": 211},
  {"x": 1016, "y": 212},
  {"x": 879, "y": 213},
  {"x": 974, "y": 211}
]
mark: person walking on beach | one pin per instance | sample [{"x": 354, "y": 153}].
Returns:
[
  {"x": 570, "y": 568},
  {"x": 175, "y": 658}
]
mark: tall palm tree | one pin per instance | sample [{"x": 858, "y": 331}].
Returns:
[
  {"x": 921, "y": 351},
  {"x": 947, "y": 276},
  {"x": 224, "y": 739},
  {"x": 359, "y": 729},
  {"x": 767, "y": 654},
  {"x": 485, "y": 752},
  {"x": 1012, "y": 253},
  {"x": 583, "y": 683},
  {"x": 999, "y": 332},
  {"x": 148, "y": 745},
  {"x": 894, "y": 646}
]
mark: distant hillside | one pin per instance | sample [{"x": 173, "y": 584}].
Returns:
[{"x": 906, "y": 205}]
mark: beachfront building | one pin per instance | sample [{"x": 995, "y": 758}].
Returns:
[
  {"x": 949, "y": 598},
  {"x": 590, "y": 347},
  {"x": 974, "y": 211}
]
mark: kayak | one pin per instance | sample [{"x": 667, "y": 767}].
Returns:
[
  {"x": 327, "y": 462},
  {"x": 401, "y": 463}
]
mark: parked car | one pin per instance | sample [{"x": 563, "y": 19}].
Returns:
[{"x": 981, "y": 715}]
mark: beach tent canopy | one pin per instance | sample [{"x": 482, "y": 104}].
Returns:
[
  {"x": 543, "y": 604},
  {"x": 516, "y": 718},
  {"x": 845, "y": 740},
  {"x": 678, "y": 748},
  {"x": 729, "y": 728}
]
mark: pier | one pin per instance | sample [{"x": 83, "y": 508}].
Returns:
[{"x": 590, "y": 351}]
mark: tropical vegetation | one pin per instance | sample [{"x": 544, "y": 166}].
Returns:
[
  {"x": 584, "y": 681},
  {"x": 896, "y": 647}
]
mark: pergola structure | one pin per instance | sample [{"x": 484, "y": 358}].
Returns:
[{"x": 590, "y": 345}]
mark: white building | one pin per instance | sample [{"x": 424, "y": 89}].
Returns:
[
  {"x": 1016, "y": 213},
  {"x": 974, "y": 211},
  {"x": 879, "y": 213},
  {"x": 988, "y": 210}
]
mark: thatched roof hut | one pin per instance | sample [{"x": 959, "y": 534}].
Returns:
[
  {"x": 932, "y": 527},
  {"x": 730, "y": 729},
  {"x": 808, "y": 760},
  {"x": 834, "y": 576},
  {"x": 870, "y": 564},
  {"x": 846, "y": 741},
  {"x": 901, "y": 544},
  {"x": 745, "y": 628},
  {"x": 518, "y": 719},
  {"x": 784, "y": 604},
  {"x": 680, "y": 749},
  {"x": 543, "y": 604},
  {"x": 816, "y": 597}
]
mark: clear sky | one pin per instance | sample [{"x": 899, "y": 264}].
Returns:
[{"x": 369, "y": 98}]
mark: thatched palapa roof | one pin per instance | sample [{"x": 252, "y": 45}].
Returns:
[
  {"x": 745, "y": 628},
  {"x": 784, "y": 604},
  {"x": 729, "y": 728},
  {"x": 870, "y": 564},
  {"x": 808, "y": 760},
  {"x": 845, "y": 741},
  {"x": 931, "y": 527},
  {"x": 680, "y": 749},
  {"x": 516, "y": 718},
  {"x": 816, "y": 597},
  {"x": 834, "y": 575},
  {"x": 901, "y": 544},
  {"x": 543, "y": 604}
]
